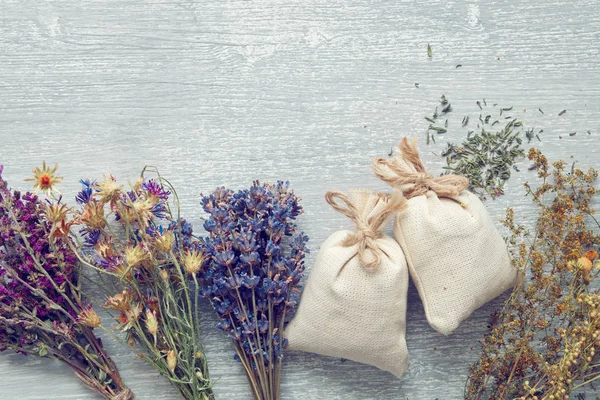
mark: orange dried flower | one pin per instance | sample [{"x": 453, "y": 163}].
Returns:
[
  {"x": 44, "y": 178},
  {"x": 591, "y": 255},
  {"x": 585, "y": 264}
]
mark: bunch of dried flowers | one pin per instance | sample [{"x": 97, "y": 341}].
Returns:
[
  {"x": 254, "y": 262},
  {"x": 542, "y": 344},
  {"x": 43, "y": 311},
  {"x": 133, "y": 236}
]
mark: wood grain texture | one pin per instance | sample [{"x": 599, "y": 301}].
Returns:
[{"x": 224, "y": 92}]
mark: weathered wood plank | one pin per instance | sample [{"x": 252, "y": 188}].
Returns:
[{"x": 224, "y": 92}]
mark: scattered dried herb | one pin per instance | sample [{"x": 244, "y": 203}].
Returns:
[
  {"x": 562, "y": 113},
  {"x": 446, "y": 108},
  {"x": 486, "y": 158},
  {"x": 429, "y": 51}
]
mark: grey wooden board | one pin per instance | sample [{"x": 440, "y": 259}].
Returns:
[{"x": 224, "y": 92}]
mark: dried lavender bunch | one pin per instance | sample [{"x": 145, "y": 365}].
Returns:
[
  {"x": 133, "y": 236},
  {"x": 255, "y": 260},
  {"x": 43, "y": 311},
  {"x": 542, "y": 344}
]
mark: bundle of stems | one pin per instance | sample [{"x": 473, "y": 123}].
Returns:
[
  {"x": 542, "y": 343},
  {"x": 254, "y": 263},
  {"x": 151, "y": 260},
  {"x": 43, "y": 311}
]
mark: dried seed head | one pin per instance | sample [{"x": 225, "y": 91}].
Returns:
[
  {"x": 151, "y": 322},
  {"x": 192, "y": 262},
  {"x": 172, "y": 360},
  {"x": 164, "y": 275}
]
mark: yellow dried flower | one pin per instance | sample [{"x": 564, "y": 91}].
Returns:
[
  {"x": 108, "y": 190},
  {"x": 56, "y": 213},
  {"x": 192, "y": 262},
  {"x": 89, "y": 318},
  {"x": 105, "y": 248},
  {"x": 172, "y": 360},
  {"x": 93, "y": 215},
  {"x": 142, "y": 209},
  {"x": 164, "y": 242},
  {"x": 134, "y": 255},
  {"x": 44, "y": 178}
]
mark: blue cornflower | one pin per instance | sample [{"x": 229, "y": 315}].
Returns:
[{"x": 86, "y": 192}]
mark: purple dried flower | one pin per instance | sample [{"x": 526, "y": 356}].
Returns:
[
  {"x": 255, "y": 262},
  {"x": 156, "y": 189},
  {"x": 42, "y": 309}
]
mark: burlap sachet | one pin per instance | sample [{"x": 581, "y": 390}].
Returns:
[
  {"x": 456, "y": 257},
  {"x": 354, "y": 302}
]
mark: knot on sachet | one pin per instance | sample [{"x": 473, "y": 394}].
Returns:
[
  {"x": 407, "y": 173},
  {"x": 125, "y": 394},
  {"x": 369, "y": 213}
]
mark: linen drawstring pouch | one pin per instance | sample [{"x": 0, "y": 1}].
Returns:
[
  {"x": 354, "y": 302},
  {"x": 456, "y": 257}
]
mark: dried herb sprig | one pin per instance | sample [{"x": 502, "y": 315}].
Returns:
[
  {"x": 542, "y": 344},
  {"x": 254, "y": 266},
  {"x": 133, "y": 237},
  {"x": 43, "y": 311}
]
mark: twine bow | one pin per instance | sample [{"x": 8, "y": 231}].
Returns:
[
  {"x": 407, "y": 173},
  {"x": 367, "y": 230}
]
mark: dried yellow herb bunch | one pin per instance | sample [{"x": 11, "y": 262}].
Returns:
[{"x": 542, "y": 344}]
